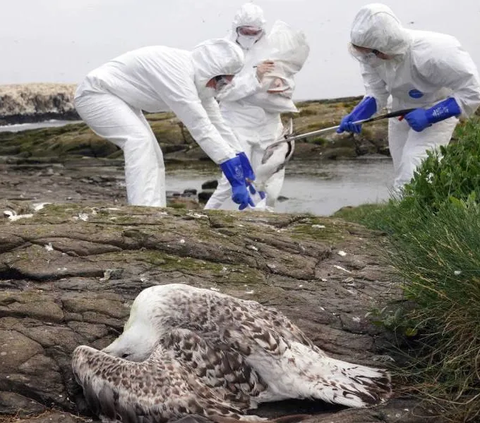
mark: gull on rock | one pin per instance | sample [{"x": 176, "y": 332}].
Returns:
[{"x": 187, "y": 350}]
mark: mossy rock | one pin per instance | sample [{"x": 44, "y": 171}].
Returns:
[{"x": 176, "y": 142}]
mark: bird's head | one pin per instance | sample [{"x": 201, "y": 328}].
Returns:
[
  {"x": 134, "y": 344},
  {"x": 140, "y": 334}
]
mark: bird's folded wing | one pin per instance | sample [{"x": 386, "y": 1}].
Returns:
[{"x": 217, "y": 365}]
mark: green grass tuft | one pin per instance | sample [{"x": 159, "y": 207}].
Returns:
[{"x": 434, "y": 246}]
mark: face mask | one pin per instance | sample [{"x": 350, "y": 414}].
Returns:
[
  {"x": 247, "y": 41},
  {"x": 369, "y": 59},
  {"x": 223, "y": 88},
  {"x": 372, "y": 60},
  {"x": 224, "y": 92}
]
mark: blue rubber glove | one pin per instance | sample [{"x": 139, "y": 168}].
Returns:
[
  {"x": 363, "y": 110},
  {"x": 420, "y": 119},
  {"x": 232, "y": 169},
  {"x": 247, "y": 171}
]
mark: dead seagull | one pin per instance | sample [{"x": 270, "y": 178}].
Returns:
[
  {"x": 172, "y": 383},
  {"x": 243, "y": 352},
  {"x": 274, "y": 159}
]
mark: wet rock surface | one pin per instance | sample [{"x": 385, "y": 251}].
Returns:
[
  {"x": 87, "y": 179},
  {"x": 69, "y": 273}
]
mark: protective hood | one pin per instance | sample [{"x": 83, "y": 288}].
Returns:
[
  {"x": 376, "y": 27},
  {"x": 213, "y": 58},
  {"x": 249, "y": 15}
]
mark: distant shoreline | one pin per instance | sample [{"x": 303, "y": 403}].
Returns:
[
  {"x": 72, "y": 115},
  {"x": 40, "y": 102},
  {"x": 19, "y": 119}
]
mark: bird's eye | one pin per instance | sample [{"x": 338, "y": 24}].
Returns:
[{"x": 125, "y": 355}]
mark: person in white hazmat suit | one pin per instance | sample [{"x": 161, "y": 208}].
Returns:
[
  {"x": 112, "y": 97},
  {"x": 428, "y": 71},
  {"x": 252, "y": 104}
]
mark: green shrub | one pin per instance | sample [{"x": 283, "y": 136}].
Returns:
[
  {"x": 456, "y": 174},
  {"x": 434, "y": 238},
  {"x": 438, "y": 258}
]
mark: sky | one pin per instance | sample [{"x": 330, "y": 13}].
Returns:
[{"x": 62, "y": 40}]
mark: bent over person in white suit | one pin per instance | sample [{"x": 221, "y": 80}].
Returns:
[{"x": 112, "y": 98}]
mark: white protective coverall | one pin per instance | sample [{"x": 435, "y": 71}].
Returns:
[
  {"x": 153, "y": 79},
  {"x": 426, "y": 68},
  {"x": 252, "y": 113}
]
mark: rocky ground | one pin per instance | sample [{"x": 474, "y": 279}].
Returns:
[
  {"x": 69, "y": 273},
  {"x": 70, "y": 270},
  {"x": 40, "y": 102}
]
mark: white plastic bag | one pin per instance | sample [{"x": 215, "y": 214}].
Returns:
[{"x": 289, "y": 49}]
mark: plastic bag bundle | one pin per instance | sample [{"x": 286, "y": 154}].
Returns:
[{"x": 289, "y": 49}]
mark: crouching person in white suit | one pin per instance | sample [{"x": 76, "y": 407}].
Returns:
[{"x": 153, "y": 79}]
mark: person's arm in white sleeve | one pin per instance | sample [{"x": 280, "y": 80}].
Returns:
[
  {"x": 182, "y": 98},
  {"x": 195, "y": 118},
  {"x": 243, "y": 85},
  {"x": 443, "y": 63},
  {"x": 213, "y": 111},
  {"x": 374, "y": 86},
  {"x": 376, "y": 97},
  {"x": 453, "y": 68}
]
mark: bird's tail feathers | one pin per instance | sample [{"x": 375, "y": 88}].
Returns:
[{"x": 350, "y": 384}]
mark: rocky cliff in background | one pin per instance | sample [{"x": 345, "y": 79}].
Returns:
[{"x": 24, "y": 103}]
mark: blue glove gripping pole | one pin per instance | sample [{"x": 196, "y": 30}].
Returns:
[
  {"x": 233, "y": 171},
  {"x": 420, "y": 119},
  {"x": 247, "y": 171},
  {"x": 363, "y": 110}
]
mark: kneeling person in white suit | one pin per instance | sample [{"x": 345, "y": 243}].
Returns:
[{"x": 112, "y": 98}]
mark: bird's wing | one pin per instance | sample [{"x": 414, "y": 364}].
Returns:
[
  {"x": 240, "y": 325},
  {"x": 270, "y": 328},
  {"x": 155, "y": 390},
  {"x": 217, "y": 365}
]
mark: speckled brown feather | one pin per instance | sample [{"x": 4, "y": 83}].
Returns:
[
  {"x": 221, "y": 367},
  {"x": 156, "y": 390},
  {"x": 234, "y": 322}
]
